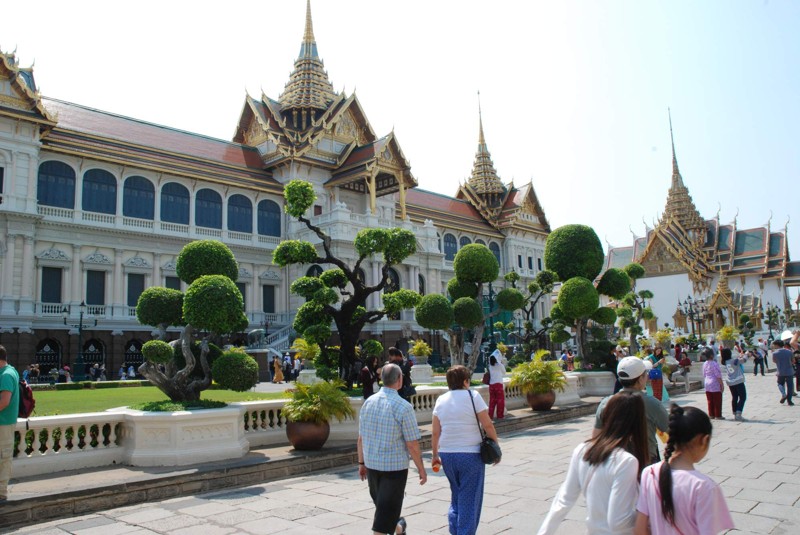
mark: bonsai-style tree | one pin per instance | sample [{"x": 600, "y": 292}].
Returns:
[
  {"x": 462, "y": 316},
  {"x": 746, "y": 328},
  {"x": 339, "y": 295},
  {"x": 574, "y": 253},
  {"x": 633, "y": 307},
  {"x": 212, "y": 304},
  {"x": 539, "y": 288}
]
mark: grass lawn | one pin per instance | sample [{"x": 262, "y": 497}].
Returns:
[{"x": 51, "y": 403}]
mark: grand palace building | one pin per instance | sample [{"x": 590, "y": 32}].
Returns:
[{"x": 94, "y": 208}]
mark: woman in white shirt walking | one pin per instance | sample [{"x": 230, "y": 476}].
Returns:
[
  {"x": 497, "y": 397},
  {"x": 456, "y": 441},
  {"x": 606, "y": 469}
]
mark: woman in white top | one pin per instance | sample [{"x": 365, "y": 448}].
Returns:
[
  {"x": 497, "y": 398},
  {"x": 456, "y": 444},
  {"x": 606, "y": 469}
]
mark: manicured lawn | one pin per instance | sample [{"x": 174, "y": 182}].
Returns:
[{"x": 50, "y": 403}]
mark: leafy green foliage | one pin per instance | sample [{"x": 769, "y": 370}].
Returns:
[
  {"x": 334, "y": 278},
  {"x": 318, "y": 334},
  {"x": 214, "y": 303},
  {"x": 634, "y": 270},
  {"x": 372, "y": 348},
  {"x": 400, "y": 300},
  {"x": 157, "y": 351},
  {"x": 306, "y": 287},
  {"x": 614, "y": 283},
  {"x": 235, "y": 370},
  {"x": 326, "y": 363},
  {"x": 458, "y": 289},
  {"x": 177, "y": 406},
  {"x": 578, "y": 298},
  {"x": 294, "y": 252},
  {"x": 214, "y": 352},
  {"x": 434, "y": 311},
  {"x": 305, "y": 350},
  {"x": 299, "y": 196},
  {"x": 605, "y": 316},
  {"x": 318, "y": 403},
  {"x": 510, "y": 299},
  {"x": 326, "y": 296},
  {"x": 512, "y": 277},
  {"x": 467, "y": 312},
  {"x": 558, "y": 334},
  {"x": 574, "y": 251},
  {"x": 160, "y": 306},
  {"x": 310, "y": 314},
  {"x": 395, "y": 243},
  {"x": 476, "y": 263},
  {"x": 538, "y": 377},
  {"x": 206, "y": 257}
]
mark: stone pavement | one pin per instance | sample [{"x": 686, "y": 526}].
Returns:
[{"x": 755, "y": 463}]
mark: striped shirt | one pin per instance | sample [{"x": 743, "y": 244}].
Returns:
[{"x": 386, "y": 423}]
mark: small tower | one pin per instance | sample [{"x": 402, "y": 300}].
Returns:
[{"x": 484, "y": 180}]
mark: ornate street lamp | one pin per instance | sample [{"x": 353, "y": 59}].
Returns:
[
  {"x": 79, "y": 373},
  {"x": 696, "y": 311}
]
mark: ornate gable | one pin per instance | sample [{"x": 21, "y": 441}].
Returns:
[{"x": 19, "y": 96}]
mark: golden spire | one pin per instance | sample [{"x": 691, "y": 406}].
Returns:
[
  {"x": 484, "y": 179},
  {"x": 677, "y": 179},
  {"x": 680, "y": 205},
  {"x": 308, "y": 86}
]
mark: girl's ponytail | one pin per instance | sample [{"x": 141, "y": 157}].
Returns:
[{"x": 665, "y": 473}]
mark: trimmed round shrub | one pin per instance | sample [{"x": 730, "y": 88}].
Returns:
[
  {"x": 434, "y": 311},
  {"x": 372, "y": 348},
  {"x": 402, "y": 244},
  {"x": 578, "y": 298},
  {"x": 574, "y": 251},
  {"x": 299, "y": 196},
  {"x": 476, "y": 263},
  {"x": 294, "y": 252},
  {"x": 510, "y": 299},
  {"x": 400, "y": 300},
  {"x": 559, "y": 336},
  {"x": 157, "y": 351},
  {"x": 160, "y": 306},
  {"x": 206, "y": 257},
  {"x": 605, "y": 316},
  {"x": 310, "y": 314},
  {"x": 306, "y": 286},
  {"x": 457, "y": 289},
  {"x": 317, "y": 334},
  {"x": 214, "y": 303},
  {"x": 467, "y": 312},
  {"x": 334, "y": 278},
  {"x": 235, "y": 370},
  {"x": 214, "y": 352},
  {"x": 634, "y": 270},
  {"x": 614, "y": 283}
]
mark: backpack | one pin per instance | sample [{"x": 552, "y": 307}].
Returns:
[{"x": 26, "y": 401}]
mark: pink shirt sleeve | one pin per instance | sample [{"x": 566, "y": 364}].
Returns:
[
  {"x": 711, "y": 510},
  {"x": 646, "y": 486}
]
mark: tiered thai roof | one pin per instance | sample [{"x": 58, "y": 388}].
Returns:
[
  {"x": 448, "y": 212},
  {"x": 680, "y": 206},
  {"x": 19, "y": 96},
  {"x": 484, "y": 179}
]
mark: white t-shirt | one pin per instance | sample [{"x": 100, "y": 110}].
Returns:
[
  {"x": 460, "y": 432},
  {"x": 496, "y": 373}
]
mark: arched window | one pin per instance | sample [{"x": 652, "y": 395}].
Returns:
[
  {"x": 94, "y": 351},
  {"x": 138, "y": 198},
  {"x": 48, "y": 355},
  {"x": 99, "y": 192},
  {"x": 421, "y": 283},
  {"x": 240, "y": 214},
  {"x": 175, "y": 203},
  {"x": 450, "y": 247},
  {"x": 208, "y": 209},
  {"x": 269, "y": 218},
  {"x": 314, "y": 271},
  {"x": 133, "y": 353},
  {"x": 56, "y": 185},
  {"x": 463, "y": 241},
  {"x": 392, "y": 285},
  {"x": 495, "y": 249},
  {"x": 480, "y": 242}
]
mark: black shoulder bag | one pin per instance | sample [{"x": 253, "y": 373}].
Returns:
[{"x": 490, "y": 450}]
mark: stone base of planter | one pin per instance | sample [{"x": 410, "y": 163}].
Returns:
[
  {"x": 421, "y": 373},
  {"x": 308, "y": 377}
]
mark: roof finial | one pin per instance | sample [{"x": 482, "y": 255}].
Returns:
[
  {"x": 675, "y": 172},
  {"x": 481, "y": 139},
  {"x": 308, "y": 36}
]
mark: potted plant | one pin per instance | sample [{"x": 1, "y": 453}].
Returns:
[
  {"x": 727, "y": 336},
  {"x": 539, "y": 380},
  {"x": 663, "y": 338},
  {"x": 421, "y": 351},
  {"x": 309, "y": 411}
]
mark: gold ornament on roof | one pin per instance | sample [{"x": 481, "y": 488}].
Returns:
[
  {"x": 680, "y": 206},
  {"x": 484, "y": 179}
]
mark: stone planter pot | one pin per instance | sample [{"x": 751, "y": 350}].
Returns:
[
  {"x": 307, "y": 435},
  {"x": 727, "y": 343},
  {"x": 542, "y": 402}
]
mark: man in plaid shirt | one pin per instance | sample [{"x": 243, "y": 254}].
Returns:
[{"x": 387, "y": 436}]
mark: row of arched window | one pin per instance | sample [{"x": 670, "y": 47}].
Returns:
[
  {"x": 450, "y": 246},
  {"x": 56, "y": 187}
]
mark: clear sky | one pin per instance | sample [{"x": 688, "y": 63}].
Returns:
[{"x": 574, "y": 94}]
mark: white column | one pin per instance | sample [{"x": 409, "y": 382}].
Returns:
[
  {"x": 156, "y": 280},
  {"x": 224, "y": 222},
  {"x": 26, "y": 304},
  {"x": 192, "y": 201},
  {"x": 8, "y": 265},
  {"x": 120, "y": 198},
  {"x": 118, "y": 284},
  {"x": 255, "y": 294},
  {"x": 157, "y": 206},
  {"x": 79, "y": 189},
  {"x": 76, "y": 288}
]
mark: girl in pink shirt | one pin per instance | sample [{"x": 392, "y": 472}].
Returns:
[
  {"x": 675, "y": 498},
  {"x": 712, "y": 381}
]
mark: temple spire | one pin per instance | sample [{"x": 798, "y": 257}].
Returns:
[
  {"x": 481, "y": 139},
  {"x": 677, "y": 179},
  {"x": 484, "y": 180},
  {"x": 309, "y": 47},
  {"x": 680, "y": 206}
]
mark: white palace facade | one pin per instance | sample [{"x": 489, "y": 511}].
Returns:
[{"x": 95, "y": 206}]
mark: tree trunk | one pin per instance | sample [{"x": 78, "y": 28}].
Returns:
[
  {"x": 178, "y": 385},
  {"x": 581, "y": 338}
]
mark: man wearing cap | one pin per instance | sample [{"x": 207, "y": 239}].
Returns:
[
  {"x": 632, "y": 375},
  {"x": 782, "y": 357}
]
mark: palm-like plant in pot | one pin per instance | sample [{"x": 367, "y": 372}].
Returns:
[
  {"x": 310, "y": 410},
  {"x": 538, "y": 380}
]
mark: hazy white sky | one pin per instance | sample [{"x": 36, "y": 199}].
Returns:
[{"x": 574, "y": 94}]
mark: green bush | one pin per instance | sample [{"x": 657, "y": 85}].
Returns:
[
  {"x": 476, "y": 263},
  {"x": 467, "y": 312},
  {"x": 318, "y": 403},
  {"x": 309, "y": 314},
  {"x": 510, "y": 299},
  {"x": 157, "y": 351},
  {"x": 574, "y": 251},
  {"x": 176, "y": 406},
  {"x": 605, "y": 316},
  {"x": 306, "y": 287},
  {"x": 334, "y": 278},
  {"x": 107, "y": 384},
  {"x": 235, "y": 370},
  {"x": 69, "y": 386},
  {"x": 372, "y": 348},
  {"x": 434, "y": 312},
  {"x": 614, "y": 283},
  {"x": 299, "y": 196},
  {"x": 214, "y": 303},
  {"x": 634, "y": 270},
  {"x": 160, "y": 306},
  {"x": 206, "y": 257},
  {"x": 294, "y": 252},
  {"x": 578, "y": 298},
  {"x": 457, "y": 289}
]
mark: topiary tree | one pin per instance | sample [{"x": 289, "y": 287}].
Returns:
[
  {"x": 339, "y": 295},
  {"x": 575, "y": 254},
  {"x": 235, "y": 370},
  {"x": 633, "y": 307},
  {"x": 541, "y": 286},
  {"x": 212, "y": 303},
  {"x": 463, "y": 318}
]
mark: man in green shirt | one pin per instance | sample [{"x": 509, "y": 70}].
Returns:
[
  {"x": 633, "y": 377},
  {"x": 9, "y": 409}
]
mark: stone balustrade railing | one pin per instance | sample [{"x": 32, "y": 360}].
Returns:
[{"x": 121, "y": 436}]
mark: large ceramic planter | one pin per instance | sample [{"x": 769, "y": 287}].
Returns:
[
  {"x": 728, "y": 343},
  {"x": 307, "y": 435},
  {"x": 542, "y": 402}
]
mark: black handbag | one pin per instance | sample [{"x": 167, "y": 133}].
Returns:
[{"x": 490, "y": 450}]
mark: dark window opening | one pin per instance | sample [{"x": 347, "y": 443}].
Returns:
[
  {"x": 51, "y": 285},
  {"x": 95, "y": 287},
  {"x": 135, "y": 288},
  {"x": 138, "y": 198}
]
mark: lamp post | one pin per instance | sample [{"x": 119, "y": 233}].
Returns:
[
  {"x": 80, "y": 366},
  {"x": 771, "y": 315},
  {"x": 695, "y": 310}
]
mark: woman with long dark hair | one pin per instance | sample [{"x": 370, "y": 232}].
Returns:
[
  {"x": 369, "y": 377},
  {"x": 675, "y": 498},
  {"x": 606, "y": 470}
]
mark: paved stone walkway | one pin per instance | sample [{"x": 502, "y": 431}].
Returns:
[{"x": 756, "y": 462}]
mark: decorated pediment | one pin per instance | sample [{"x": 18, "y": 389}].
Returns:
[
  {"x": 53, "y": 255},
  {"x": 19, "y": 96},
  {"x": 658, "y": 260}
]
